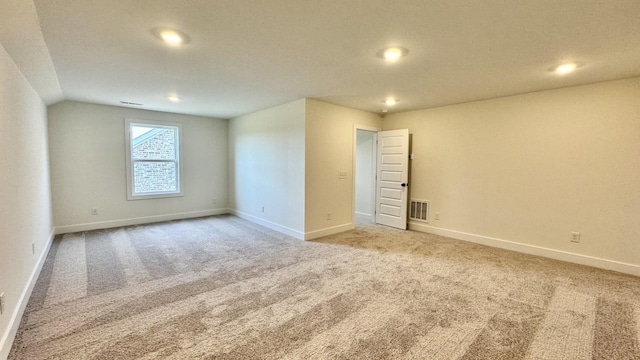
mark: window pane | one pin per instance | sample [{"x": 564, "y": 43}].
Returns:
[
  {"x": 153, "y": 143},
  {"x": 154, "y": 176},
  {"x": 153, "y": 159}
]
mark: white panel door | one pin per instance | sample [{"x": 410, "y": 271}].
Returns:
[{"x": 393, "y": 178}]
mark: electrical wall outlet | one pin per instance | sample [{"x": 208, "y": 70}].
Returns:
[
  {"x": 575, "y": 237},
  {"x": 328, "y": 216},
  {"x": 1, "y": 303},
  {"x": 33, "y": 248},
  {"x": 437, "y": 215},
  {"x": 214, "y": 201},
  {"x": 263, "y": 208},
  {"x": 94, "y": 211}
]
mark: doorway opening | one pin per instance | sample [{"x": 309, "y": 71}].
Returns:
[
  {"x": 365, "y": 176},
  {"x": 381, "y": 177}
]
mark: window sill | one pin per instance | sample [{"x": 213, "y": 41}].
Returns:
[{"x": 153, "y": 196}]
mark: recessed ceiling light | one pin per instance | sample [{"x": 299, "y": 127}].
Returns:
[
  {"x": 173, "y": 98},
  {"x": 391, "y": 101},
  {"x": 565, "y": 68},
  {"x": 392, "y": 53},
  {"x": 171, "y": 36}
]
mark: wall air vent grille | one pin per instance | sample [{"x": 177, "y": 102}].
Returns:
[{"x": 419, "y": 210}]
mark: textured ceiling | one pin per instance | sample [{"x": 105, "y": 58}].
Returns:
[{"x": 252, "y": 54}]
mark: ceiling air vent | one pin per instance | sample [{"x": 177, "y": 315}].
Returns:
[
  {"x": 419, "y": 210},
  {"x": 130, "y": 103}
]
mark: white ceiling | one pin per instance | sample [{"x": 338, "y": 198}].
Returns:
[{"x": 247, "y": 55}]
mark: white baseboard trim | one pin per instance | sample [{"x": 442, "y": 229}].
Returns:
[
  {"x": 531, "y": 249},
  {"x": 328, "y": 231},
  {"x": 363, "y": 214},
  {"x": 14, "y": 323},
  {"x": 268, "y": 224},
  {"x": 137, "y": 221}
]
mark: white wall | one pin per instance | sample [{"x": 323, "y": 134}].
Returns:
[
  {"x": 330, "y": 136},
  {"x": 25, "y": 205},
  {"x": 533, "y": 168},
  {"x": 267, "y": 166},
  {"x": 87, "y": 147},
  {"x": 365, "y": 175}
]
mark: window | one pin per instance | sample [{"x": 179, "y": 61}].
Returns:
[{"x": 153, "y": 159}]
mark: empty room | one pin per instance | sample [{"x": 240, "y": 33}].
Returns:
[{"x": 319, "y": 179}]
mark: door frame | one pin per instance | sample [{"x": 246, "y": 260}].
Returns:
[{"x": 357, "y": 127}]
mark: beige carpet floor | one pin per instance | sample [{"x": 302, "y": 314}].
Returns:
[{"x": 224, "y": 288}]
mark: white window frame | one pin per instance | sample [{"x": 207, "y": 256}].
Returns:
[{"x": 130, "y": 162}]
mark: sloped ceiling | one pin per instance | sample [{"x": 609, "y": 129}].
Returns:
[{"x": 21, "y": 37}]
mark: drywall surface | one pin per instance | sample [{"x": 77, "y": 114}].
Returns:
[
  {"x": 22, "y": 38},
  {"x": 533, "y": 168},
  {"x": 87, "y": 147},
  {"x": 25, "y": 200},
  {"x": 329, "y": 152},
  {"x": 266, "y": 167},
  {"x": 365, "y": 174}
]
